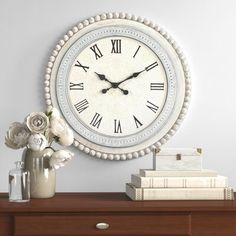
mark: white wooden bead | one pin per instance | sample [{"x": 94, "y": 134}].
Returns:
[
  {"x": 48, "y": 70},
  {"x": 115, "y": 15},
  {"x": 98, "y": 154},
  {"x": 123, "y": 157},
  {"x": 86, "y": 22},
  {"x": 135, "y": 154},
  {"x": 80, "y": 26},
  {"x": 70, "y": 33},
  {"x": 97, "y": 18},
  {"x": 146, "y": 21},
  {"x": 47, "y": 95},
  {"x": 46, "y": 83},
  {"x": 128, "y": 16},
  {"x": 109, "y": 15},
  {"x": 61, "y": 42},
  {"x": 134, "y": 17},
  {"x": 117, "y": 157},
  {"x": 141, "y": 153},
  {"x": 76, "y": 143},
  {"x": 58, "y": 47},
  {"x": 52, "y": 58},
  {"x": 129, "y": 156},
  {"x": 81, "y": 147},
  {"x": 55, "y": 53},
  {"x": 92, "y": 153},
  {"x": 75, "y": 29},
  {"x": 50, "y": 64},
  {"x": 147, "y": 150},
  {"x": 104, "y": 156},
  {"x": 48, "y": 102},
  {"x": 66, "y": 37},
  {"x": 103, "y": 16},
  {"x": 91, "y": 20},
  {"x": 47, "y": 77},
  {"x": 87, "y": 150},
  {"x": 122, "y": 15},
  {"x": 140, "y": 19}
]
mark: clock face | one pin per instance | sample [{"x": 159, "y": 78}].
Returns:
[{"x": 117, "y": 86}]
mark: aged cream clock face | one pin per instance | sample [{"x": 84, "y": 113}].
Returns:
[{"x": 119, "y": 84}]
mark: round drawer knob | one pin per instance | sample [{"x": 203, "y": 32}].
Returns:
[{"x": 102, "y": 226}]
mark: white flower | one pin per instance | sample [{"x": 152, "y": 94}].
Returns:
[
  {"x": 37, "y": 122},
  {"x": 37, "y": 142},
  {"x": 58, "y": 126},
  {"x": 66, "y": 138},
  {"x": 53, "y": 113},
  {"x": 60, "y": 158},
  {"x": 17, "y": 136}
]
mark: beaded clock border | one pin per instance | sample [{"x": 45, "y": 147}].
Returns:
[{"x": 115, "y": 15}]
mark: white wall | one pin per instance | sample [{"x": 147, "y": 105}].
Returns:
[{"x": 206, "y": 31}]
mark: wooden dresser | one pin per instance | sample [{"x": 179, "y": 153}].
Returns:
[{"x": 84, "y": 214}]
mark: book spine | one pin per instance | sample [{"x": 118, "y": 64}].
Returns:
[
  {"x": 179, "y": 182},
  {"x": 179, "y": 173},
  {"x": 179, "y": 194}
]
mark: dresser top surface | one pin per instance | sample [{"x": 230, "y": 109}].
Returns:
[{"x": 108, "y": 202}]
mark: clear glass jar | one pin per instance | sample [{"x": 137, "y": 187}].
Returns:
[{"x": 19, "y": 184}]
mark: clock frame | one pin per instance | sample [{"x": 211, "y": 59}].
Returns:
[{"x": 178, "y": 80}]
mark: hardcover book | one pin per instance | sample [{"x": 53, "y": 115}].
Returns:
[
  {"x": 180, "y": 173},
  {"x": 179, "y": 193},
  {"x": 179, "y": 182}
]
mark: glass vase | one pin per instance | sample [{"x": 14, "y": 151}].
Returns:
[
  {"x": 19, "y": 184},
  {"x": 42, "y": 175}
]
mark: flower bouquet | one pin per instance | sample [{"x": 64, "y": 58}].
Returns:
[{"x": 37, "y": 134}]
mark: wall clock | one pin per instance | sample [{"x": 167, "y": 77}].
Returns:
[{"x": 121, "y": 83}]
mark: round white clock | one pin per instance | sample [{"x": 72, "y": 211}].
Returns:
[{"x": 121, "y": 83}]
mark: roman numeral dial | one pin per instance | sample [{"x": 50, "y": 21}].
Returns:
[
  {"x": 117, "y": 87},
  {"x": 97, "y": 53},
  {"x": 116, "y": 46}
]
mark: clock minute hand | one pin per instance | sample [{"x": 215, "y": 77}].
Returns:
[{"x": 134, "y": 75}]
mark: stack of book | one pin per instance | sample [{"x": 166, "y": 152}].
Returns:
[{"x": 177, "y": 174}]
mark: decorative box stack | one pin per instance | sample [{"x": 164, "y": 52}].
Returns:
[{"x": 177, "y": 174}]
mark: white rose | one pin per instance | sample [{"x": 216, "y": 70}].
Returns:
[
  {"x": 66, "y": 138},
  {"x": 37, "y": 142},
  {"x": 17, "y": 136},
  {"x": 37, "y": 122},
  {"x": 58, "y": 126},
  {"x": 60, "y": 158}
]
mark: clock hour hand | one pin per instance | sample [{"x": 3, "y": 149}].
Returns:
[
  {"x": 113, "y": 84},
  {"x": 103, "y": 77}
]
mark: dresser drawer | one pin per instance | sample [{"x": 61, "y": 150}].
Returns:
[{"x": 119, "y": 224}]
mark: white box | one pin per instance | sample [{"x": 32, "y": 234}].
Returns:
[{"x": 177, "y": 159}]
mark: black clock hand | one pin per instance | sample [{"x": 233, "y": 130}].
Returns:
[
  {"x": 125, "y": 92},
  {"x": 113, "y": 85},
  {"x": 134, "y": 75},
  {"x": 103, "y": 77}
]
